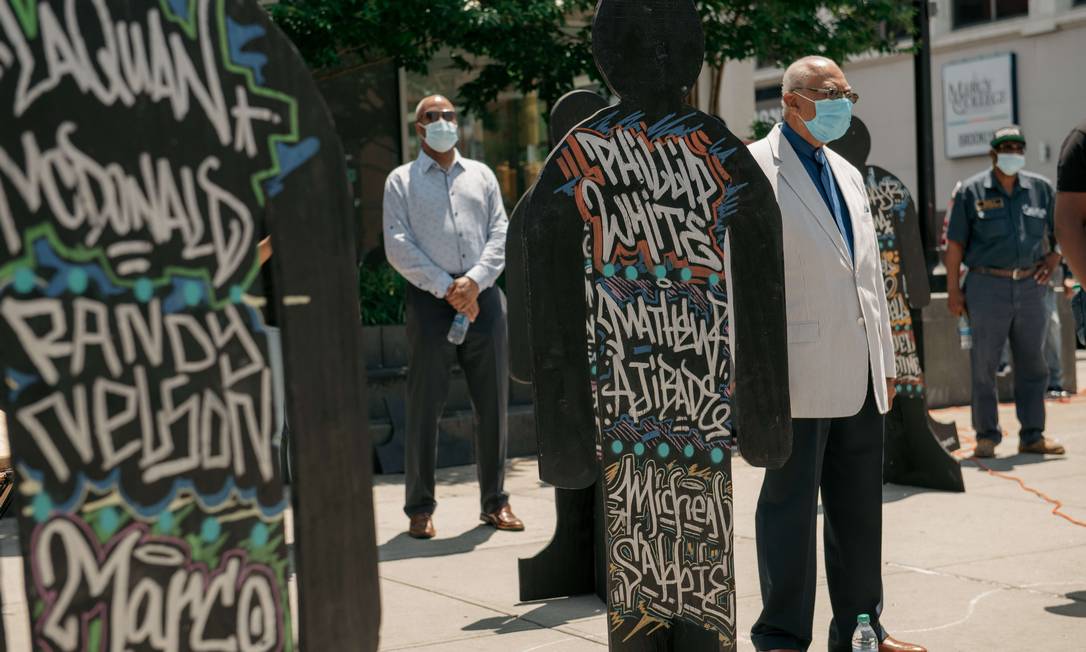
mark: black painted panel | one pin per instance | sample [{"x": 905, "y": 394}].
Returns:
[
  {"x": 628, "y": 278},
  {"x": 147, "y": 148}
]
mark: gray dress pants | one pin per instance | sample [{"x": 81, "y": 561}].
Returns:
[
  {"x": 484, "y": 357},
  {"x": 1001, "y": 308}
]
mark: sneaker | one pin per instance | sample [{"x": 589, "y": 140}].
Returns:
[
  {"x": 1043, "y": 446},
  {"x": 985, "y": 448},
  {"x": 1004, "y": 370}
]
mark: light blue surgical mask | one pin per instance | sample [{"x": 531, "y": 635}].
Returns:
[
  {"x": 442, "y": 135},
  {"x": 1010, "y": 164},
  {"x": 832, "y": 118}
]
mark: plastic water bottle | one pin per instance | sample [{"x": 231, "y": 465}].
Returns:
[
  {"x": 864, "y": 639},
  {"x": 459, "y": 331},
  {"x": 965, "y": 333}
]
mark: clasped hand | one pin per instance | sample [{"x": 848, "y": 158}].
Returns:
[{"x": 463, "y": 295}]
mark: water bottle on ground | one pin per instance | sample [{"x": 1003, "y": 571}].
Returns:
[
  {"x": 459, "y": 330},
  {"x": 965, "y": 333},
  {"x": 864, "y": 639}
]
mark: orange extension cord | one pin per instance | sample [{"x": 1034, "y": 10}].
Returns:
[{"x": 1057, "y": 509}]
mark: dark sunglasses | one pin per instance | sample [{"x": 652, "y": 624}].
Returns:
[
  {"x": 1011, "y": 148},
  {"x": 448, "y": 115}
]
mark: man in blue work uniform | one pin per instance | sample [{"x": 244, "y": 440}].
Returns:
[{"x": 1001, "y": 226}]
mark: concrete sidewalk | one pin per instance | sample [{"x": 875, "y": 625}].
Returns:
[{"x": 990, "y": 569}]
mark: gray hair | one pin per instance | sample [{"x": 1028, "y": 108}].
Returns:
[{"x": 798, "y": 75}]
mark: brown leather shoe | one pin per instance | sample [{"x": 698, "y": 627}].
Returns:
[
  {"x": 1043, "y": 446},
  {"x": 985, "y": 448},
  {"x": 422, "y": 526},
  {"x": 892, "y": 645},
  {"x": 503, "y": 519}
]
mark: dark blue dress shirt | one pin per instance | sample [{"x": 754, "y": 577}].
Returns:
[{"x": 818, "y": 168}]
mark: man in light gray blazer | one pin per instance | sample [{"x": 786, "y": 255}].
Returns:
[{"x": 841, "y": 375}]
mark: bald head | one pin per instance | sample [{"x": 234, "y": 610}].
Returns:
[
  {"x": 432, "y": 103},
  {"x": 809, "y": 72},
  {"x": 806, "y": 82}
]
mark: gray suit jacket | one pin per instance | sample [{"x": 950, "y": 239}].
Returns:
[{"x": 838, "y": 322}]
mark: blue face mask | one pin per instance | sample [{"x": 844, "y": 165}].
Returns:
[
  {"x": 832, "y": 118},
  {"x": 442, "y": 135},
  {"x": 1010, "y": 164}
]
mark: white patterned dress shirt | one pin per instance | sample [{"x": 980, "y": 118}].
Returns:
[{"x": 439, "y": 225}]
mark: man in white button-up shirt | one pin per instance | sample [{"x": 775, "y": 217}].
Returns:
[{"x": 445, "y": 225}]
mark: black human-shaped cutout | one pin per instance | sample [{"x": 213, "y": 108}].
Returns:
[
  {"x": 916, "y": 445},
  {"x": 568, "y": 565},
  {"x": 568, "y": 111},
  {"x": 895, "y": 199},
  {"x": 652, "y": 237},
  {"x": 649, "y": 52},
  {"x": 137, "y": 366}
]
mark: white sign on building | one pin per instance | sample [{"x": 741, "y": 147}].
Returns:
[{"x": 979, "y": 96}]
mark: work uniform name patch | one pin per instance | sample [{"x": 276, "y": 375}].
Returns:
[{"x": 989, "y": 204}]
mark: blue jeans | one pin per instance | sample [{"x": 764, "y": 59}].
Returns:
[
  {"x": 1001, "y": 308},
  {"x": 1053, "y": 342},
  {"x": 1053, "y": 339}
]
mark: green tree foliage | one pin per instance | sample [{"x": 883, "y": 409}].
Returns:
[{"x": 543, "y": 45}]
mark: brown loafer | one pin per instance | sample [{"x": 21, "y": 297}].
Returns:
[
  {"x": 1043, "y": 446},
  {"x": 893, "y": 645},
  {"x": 422, "y": 526},
  {"x": 985, "y": 448},
  {"x": 503, "y": 519}
]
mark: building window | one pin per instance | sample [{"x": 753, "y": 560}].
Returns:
[{"x": 976, "y": 12}]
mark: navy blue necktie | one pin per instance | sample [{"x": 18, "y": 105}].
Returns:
[{"x": 831, "y": 191}]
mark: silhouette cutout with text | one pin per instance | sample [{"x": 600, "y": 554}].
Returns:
[
  {"x": 917, "y": 447},
  {"x": 146, "y": 149},
  {"x": 649, "y": 220}
]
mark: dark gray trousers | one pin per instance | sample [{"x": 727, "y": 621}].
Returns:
[
  {"x": 484, "y": 357},
  {"x": 1001, "y": 308},
  {"x": 843, "y": 458}
]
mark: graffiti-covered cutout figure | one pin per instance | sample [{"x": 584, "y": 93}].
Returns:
[
  {"x": 630, "y": 280},
  {"x": 146, "y": 148},
  {"x": 568, "y": 565},
  {"x": 917, "y": 447}
]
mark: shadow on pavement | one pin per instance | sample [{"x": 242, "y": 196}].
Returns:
[
  {"x": 500, "y": 625},
  {"x": 1076, "y": 609},
  {"x": 551, "y": 613},
  {"x": 1005, "y": 464},
  {"x": 892, "y": 493},
  {"x": 402, "y": 546},
  {"x": 451, "y": 475}
]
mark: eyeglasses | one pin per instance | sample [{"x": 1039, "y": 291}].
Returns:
[
  {"x": 448, "y": 115},
  {"x": 832, "y": 93}
]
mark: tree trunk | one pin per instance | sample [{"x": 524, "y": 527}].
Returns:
[{"x": 716, "y": 89}]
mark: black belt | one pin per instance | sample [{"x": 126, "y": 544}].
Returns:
[{"x": 1013, "y": 274}]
